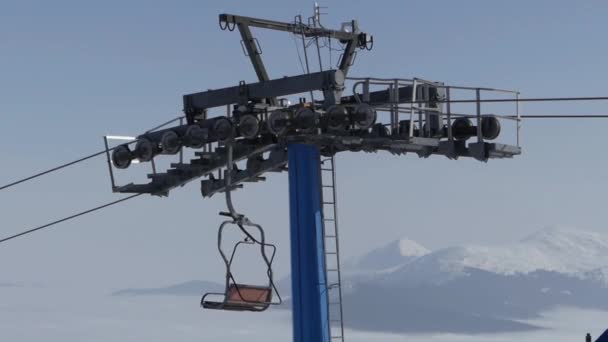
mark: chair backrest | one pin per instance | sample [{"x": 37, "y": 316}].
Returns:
[{"x": 248, "y": 294}]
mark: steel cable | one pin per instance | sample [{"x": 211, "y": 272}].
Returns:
[
  {"x": 50, "y": 224},
  {"x": 53, "y": 169},
  {"x": 57, "y": 168}
]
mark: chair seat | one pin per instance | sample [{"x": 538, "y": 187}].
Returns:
[
  {"x": 234, "y": 306},
  {"x": 242, "y": 298}
]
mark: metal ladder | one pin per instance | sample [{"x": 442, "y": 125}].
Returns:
[{"x": 332, "y": 249}]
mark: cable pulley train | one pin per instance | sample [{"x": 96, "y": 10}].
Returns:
[{"x": 395, "y": 115}]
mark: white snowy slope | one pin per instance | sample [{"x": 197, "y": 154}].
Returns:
[
  {"x": 380, "y": 262},
  {"x": 395, "y": 254},
  {"x": 564, "y": 250},
  {"x": 403, "y": 287},
  {"x": 411, "y": 249}
]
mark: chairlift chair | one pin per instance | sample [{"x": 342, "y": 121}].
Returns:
[{"x": 242, "y": 297}]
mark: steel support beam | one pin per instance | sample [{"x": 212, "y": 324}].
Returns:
[
  {"x": 255, "y": 56},
  {"x": 309, "y": 31},
  {"x": 253, "y": 52},
  {"x": 309, "y": 295},
  {"x": 353, "y": 38},
  {"x": 348, "y": 57},
  {"x": 331, "y": 82}
]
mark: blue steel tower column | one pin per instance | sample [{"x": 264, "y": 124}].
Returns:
[{"x": 309, "y": 295}]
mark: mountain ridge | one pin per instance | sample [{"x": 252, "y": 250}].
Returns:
[
  {"x": 563, "y": 250},
  {"x": 188, "y": 288}
]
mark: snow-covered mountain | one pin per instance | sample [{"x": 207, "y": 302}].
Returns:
[
  {"x": 475, "y": 288},
  {"x": 562, "y": 250},
  {"x": 394, "y": 254},
  {"x": 404, "y": 287},
  {"x": 189, "y": 288}
]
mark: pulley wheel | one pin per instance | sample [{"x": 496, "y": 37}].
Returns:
[
  {"x": 337, "y": 117},
  {"x": 490, "y": 127},
  {"x": 462, "y": 128},
  {"x": 145, "y": 150},
  {"x": 169, "y": 143},
  {"x": 278, "y": 122},
  {"x": 249, "y": 126},
  {"x": 306, "y": 120},
  {"x": 222, "y": 129},
  {"x": 364, "y": 116},
  {"x": 195, "y": 136},
  {"x": 121, "y": 157}
]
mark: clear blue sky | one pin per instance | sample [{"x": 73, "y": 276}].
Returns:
[{"x": 72, "y": 71}]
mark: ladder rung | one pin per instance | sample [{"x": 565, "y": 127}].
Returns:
[
  {"x": 326, "y": 169},
  {"x": 327, "y": 186},
  {"x": 335, "y": 320},
  {"x": 328, "y": 203},
  {"x": 331, "y": 253},
  {"x": 330, "y": 236},
  {"x": 336, "y": 337},
  {"x": 333, "y": 270},
  {"x": 329, "y": 219},
  {"x": 334, "y": 303}
]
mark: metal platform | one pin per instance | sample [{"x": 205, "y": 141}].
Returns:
[{"x": 401, "y": 124}]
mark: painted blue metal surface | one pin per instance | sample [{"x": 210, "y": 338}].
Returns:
[
  {"x": 603, "y": 337},
  {"x": 310, "y": 309}
]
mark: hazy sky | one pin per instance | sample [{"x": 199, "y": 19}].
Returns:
[{"x": 72, "y": 71}]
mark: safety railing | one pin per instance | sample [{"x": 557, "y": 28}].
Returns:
[{"x": 422, "y": 110}]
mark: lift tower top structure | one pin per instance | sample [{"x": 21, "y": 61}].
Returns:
[
  {"x": 264, "y": 132},
  {"x": 395, "y": 115}
]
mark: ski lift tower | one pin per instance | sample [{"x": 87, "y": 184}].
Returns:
[{"x": 271, "y": 134}]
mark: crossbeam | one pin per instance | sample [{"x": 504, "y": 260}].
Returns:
[
  {"x": 331, "y": 82},
  {"x": 307, "y": 30}
]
